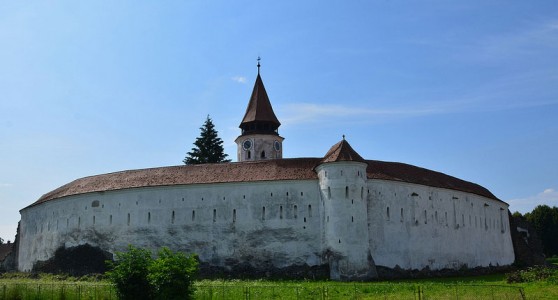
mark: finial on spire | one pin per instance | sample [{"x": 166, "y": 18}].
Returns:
[
  {"x": 259, "y": 58},
  {"x": 343, "y": 137}
]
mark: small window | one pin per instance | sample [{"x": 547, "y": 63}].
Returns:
[
  {"x": 362, "y": 193},
  {"x": 281, "y": 212},
  {"x": 193, "y": 215},
  {"x": 148, "y": 217},
  {"x": 172, "y": 217},
  {"x": 234, "y": 215},
  {"x": 309, "y": 211},
  {"x": 387, "y": 212},
  {"x": 425, "y": 217},
  {"x": 248, "y": 154},
  {"x": 110, "y": 220},
  {"x": 402, "y": 215},
  {"x": 347, "y": 192},
  {"x": 214, "y": 215},
  {"x": 352, "y": 219},
  {"x": 328, "y": 192},
  {"x": 263, "y": 154},
  {"x": 93, "y": 222},
  {"x": 295, "y": 212},
  {"x": 128, "y": 222},
  {"x": 95, "y": 203},
  {"x": 263, "y": 213}
]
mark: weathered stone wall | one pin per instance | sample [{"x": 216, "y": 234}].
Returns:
[
  {"x": 415, "y": 227},
  {"x": 264, "y": 223},
  {"x": 254, "y": 227}
]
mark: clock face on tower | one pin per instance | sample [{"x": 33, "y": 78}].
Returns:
[
  {"x": 247, "y": 144},
  {"x": 277, "y": 146}
]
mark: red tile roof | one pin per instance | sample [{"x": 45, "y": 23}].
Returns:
[
  {"x": 342, "y": 151},
  {"x": 259, "y": 108},
  {"x": 267, "y": 170}
]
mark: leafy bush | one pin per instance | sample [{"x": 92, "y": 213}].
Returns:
[
  {"x": 171, "y": 275},
  {"x": 138, "y": 276},
  {"x": 532, "y": 274},
  {"x": 129, "y": 274}
]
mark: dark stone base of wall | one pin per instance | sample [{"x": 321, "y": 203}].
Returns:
[
  {"x": 247, "y": 271},
  {"x": 75, "y": 261},
  {"x": 385, "y": 273}
]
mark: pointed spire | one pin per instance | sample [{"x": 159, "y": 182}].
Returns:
[
  {"x": 259, "y": 114},
  {"x": 342, "y": 151}
]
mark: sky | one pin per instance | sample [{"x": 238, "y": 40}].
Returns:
[{"x": 467, "y": 88}]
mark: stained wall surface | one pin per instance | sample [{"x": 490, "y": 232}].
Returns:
[{"x": 280, "y": 223}]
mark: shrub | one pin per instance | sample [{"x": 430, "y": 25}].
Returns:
[
  {"x": 137, "y": 276},
  {"x": 532, "y": 274},
  {"x": 129, "y": 274},
  {"x": 171, "y": 275}
]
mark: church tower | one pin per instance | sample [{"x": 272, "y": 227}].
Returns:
[{"x": 260, "y": 136}]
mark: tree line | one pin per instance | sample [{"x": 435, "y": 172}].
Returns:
[{"x": 545, "y": 221}]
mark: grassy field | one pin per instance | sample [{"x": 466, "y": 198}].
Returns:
[{"x": 479, "y": 287}]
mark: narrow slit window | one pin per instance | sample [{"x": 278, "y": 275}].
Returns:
[
  {"x": 172, "y": 217},
  {"x": 193, "y": 215},
  {"x": 425, "y": 217},
  {"x": 263, "y": 154},
  {"x": 263, "y": 213},
  {"x": 148, "y": 217},
  {"x": 295, "y": 212},
  {"x": 281, "y": 212},
  {"x": 402, "y": 215},
  {"x": 387, "y": 212},
  {"x": 346, "y": 192},
  {"x": 214, "y": 215},
  {"x": 234, "y": 215},
  {"x": 309, "y": 211},
  {"x": 93, "y": 221},
  {"x": 128, "y": 222},
  {"x": 248, "y": 154},
  {"x": 110, "y": 220},
  {"x": 328, "y": 192}
]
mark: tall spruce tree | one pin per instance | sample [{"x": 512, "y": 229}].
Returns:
[{"x": 208, "y": 147}]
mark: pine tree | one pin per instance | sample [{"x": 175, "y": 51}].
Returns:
[{"x": 208, "y": 147}]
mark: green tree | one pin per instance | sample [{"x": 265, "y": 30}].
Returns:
[
  {"x": 208, "y": 147},
  {"x": 1, "y": 241},
  {"x": 545, "y": 222},
  {"x": 172, "y": 275},
  {"x": 129, "y": 274}
]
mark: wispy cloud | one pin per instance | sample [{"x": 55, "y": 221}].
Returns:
[
  {"x": 537, "y": 37},
  {"x": 523, "y": 205},
  {"x": 239, "y": 79},
  {"x": 311, "y": 112},
  {"x": 2, "y": 185}
]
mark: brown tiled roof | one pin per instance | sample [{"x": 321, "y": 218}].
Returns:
[
  {"x": 412, "y": 174},
  {"x": 5, "y": 250},
  {"x": 267, "y": 170},
  {"x": 342, "y": 151},
  {"x": 259, "y": 108}
]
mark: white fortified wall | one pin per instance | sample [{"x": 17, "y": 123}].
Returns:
[
  {"x": 262, "y": 223},
  {"x": 415, "y": 226}
]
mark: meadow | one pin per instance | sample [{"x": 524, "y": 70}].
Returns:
[{"x": 535, "y": 284}]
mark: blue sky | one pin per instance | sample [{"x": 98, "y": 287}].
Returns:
[{"x": 468, "y": 88}]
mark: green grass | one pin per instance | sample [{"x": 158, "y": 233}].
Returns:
[
  {"x": 493, "y": 286},
  {"x": 552, "y": 260}
]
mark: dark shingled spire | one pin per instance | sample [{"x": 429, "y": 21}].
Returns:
[
  {"x": 342, "y": 151},
  {"x": 259, "y": 116}
]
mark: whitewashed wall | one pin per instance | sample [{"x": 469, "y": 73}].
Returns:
[
  {"x": 436, "y": 228},
  {"x": 259, "y": 222},
  {"x": 282, "y": 223}
]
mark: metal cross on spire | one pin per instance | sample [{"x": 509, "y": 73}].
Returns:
[{"x": 259, "y": 64}]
